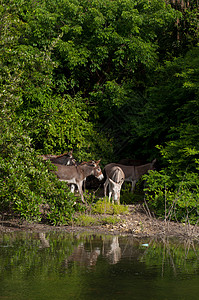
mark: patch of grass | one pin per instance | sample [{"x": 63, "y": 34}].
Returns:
[
  {"x": 109, "y": 220},
  {"x": 100, "y": 213},
  {"x": 105, "y": 207},
  {"x": 88, "y": 220}
]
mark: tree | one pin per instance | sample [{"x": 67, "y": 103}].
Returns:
[
  {"x": 26, "y": 185},
  {"x": 178, "y": 183}
]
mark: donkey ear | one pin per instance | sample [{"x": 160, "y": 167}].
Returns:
[
  {"x": 90, "y": 163},
  {"x": 154, "y": 161},
  {"x": 70, "y": 153},
  {"x": 121, "y": 181},
  {"x": 93, "y": 163},
  {"x": 113, "y": 182},
  {"x": 98, "y": 161},
  {"x": 118, "y": 184}
]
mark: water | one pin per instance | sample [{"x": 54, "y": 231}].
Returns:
[{"x": 57, "y": 265}]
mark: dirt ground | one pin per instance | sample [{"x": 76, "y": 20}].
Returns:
[{"x": 137, "y": 223}]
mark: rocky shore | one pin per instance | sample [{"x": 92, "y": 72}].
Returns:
[{"x": 137, "y": 223}]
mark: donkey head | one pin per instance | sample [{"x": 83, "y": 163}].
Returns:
[
  {"x": 95, "y": 163},
  {"x": 91, "y": 163},
  {"x": 116, "y": 187},
  {"x": 97, "y": 172}
]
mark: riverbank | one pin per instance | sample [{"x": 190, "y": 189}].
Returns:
[{"x": 137, "y": 223}]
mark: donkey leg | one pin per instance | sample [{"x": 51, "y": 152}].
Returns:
[
  {"x": 105, "y": 186},
  {"x": 79, "y": 185},
  {"x": 118, "y": 199},
  {"x": 133, "y": 185},
  {"x": 109, "y": 195},
  {"x": 119, "y": 192},
  {"x": 110, "y": 191}
]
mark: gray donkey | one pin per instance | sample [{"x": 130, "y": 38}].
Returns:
[
  {"x": 132, "y": 173},
  {"x": 115, "y": 178}
]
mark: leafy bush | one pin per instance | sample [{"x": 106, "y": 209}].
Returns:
[
  {"x": 179, "y": 202},
  {"x": 26, "y": 185},
  {"x": 174, "y": 191},
  {"x": 89, "y": 75},
  {"x": 105, "y": 207},
  {"x": 127, "y": 197},
  {"x": 88, "y": 220}
]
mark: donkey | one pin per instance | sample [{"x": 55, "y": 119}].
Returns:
[
  {"x": 131, "y": 162},
  {"x": 77, "y": 174},
  {"x": 133, "y": 173},
  {"x": 62, "y": 159},
  {"x": 115, "y": 178}
]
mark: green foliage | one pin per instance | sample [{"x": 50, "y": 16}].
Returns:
[
  {"x": 173, "y": 192},
  {"x": 71, "y": 53},
  {"x": 27, "y": 185},
  {"x": 175, "y": 198},
  {"x": 105, "y": 207},
  {"x": 88, "y": 220},
  {"x": 106, "y": 78},
  {"x": 171, "y": 102},
  {"x": 113, "y": 220},
  {"x": 127, "y": 197},
  {"x": 177, "y": 185}
]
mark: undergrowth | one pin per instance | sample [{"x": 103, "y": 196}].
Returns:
[
  {"x": 89, "y": 220},
  {"x": 105, "y": 207},
  {"x": 100, "y": 213}
]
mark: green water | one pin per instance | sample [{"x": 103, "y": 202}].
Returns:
[{"x": 58, "y": 265}]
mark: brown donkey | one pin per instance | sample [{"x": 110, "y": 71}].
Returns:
[{"x": 77, "y": 174}]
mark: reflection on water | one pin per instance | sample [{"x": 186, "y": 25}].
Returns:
[
  {"x": 44, "y": 242},
  {"x": 57, "y": 265},
  {"x": 83, "y": 257},
  {"x": 115, "y": 253}
]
